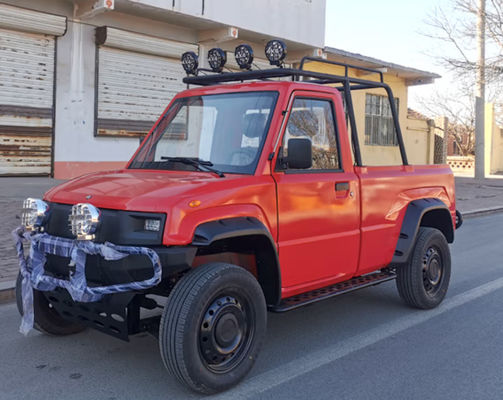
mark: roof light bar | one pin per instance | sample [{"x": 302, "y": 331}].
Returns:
[
  {"x": 244, "y": 56},
  {"x": 275, "y": 51},
  {"x": 190, "y": 62},
  {"x": 217, "y": 59}
]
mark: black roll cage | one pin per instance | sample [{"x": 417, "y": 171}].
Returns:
[{"x": 347, "y": 85}]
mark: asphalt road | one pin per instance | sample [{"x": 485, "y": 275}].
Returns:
[{"x": 364, "y": 345}]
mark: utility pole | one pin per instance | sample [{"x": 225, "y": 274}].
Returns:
[{"x": 480, "y": 93}]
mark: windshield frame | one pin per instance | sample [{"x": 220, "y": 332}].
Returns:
[{"x": 173, "y": 109}]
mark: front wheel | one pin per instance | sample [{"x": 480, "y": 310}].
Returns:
[
  {"x": 424, "y": 280},
  {"x": 47, "y": 319},
  {"x": 212, "y": 327}
]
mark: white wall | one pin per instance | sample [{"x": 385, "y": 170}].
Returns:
[
  {"x": 301, "y": 21},
  {"x": 75, "y": 102}
]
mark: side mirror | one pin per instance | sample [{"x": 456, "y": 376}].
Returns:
[{"x": 300, "y": 153}]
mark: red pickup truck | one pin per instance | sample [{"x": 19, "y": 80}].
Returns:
[{"x": 247, "y": 195}]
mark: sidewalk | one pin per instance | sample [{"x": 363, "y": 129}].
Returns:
[
  {"x": 479, "y": 196},
  {"x": 12, "y": 193},
  {"x": 472, "y": 198}
]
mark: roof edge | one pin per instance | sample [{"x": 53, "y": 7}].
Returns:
[{"x": 421, "y": 77}]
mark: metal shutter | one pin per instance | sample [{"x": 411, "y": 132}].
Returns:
[
  {"x": 26, "y": 102},
  {"x": 22, "y": 19},
  {"x": 138, "y": 75},
  {"x": 133, "y": 90}
]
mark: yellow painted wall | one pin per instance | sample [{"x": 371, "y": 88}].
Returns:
[
  {"x": 419, "y": 141},
  {"x": 416, "y": 134},
  {"x": 493, "y": 145},
  {"x": 497, "y": 151}
]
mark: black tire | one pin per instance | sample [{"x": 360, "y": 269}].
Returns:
[
  {"x": 47, "y": 319},
  {"x": 424, "y": 280},
  {"x": 212, "y": 327}
]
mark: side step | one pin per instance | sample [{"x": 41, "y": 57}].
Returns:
[{"x": 351, "y": 285}]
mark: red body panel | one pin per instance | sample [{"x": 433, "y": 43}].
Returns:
[
  {"x": 386, "y": 193},
  {"x": 323, "y": 236}
]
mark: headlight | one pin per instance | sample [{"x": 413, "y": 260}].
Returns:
[
  {"x": 84, "y": 220},
  {"x": 34, "y": 213},
  {"x": 275, "y": 51}
]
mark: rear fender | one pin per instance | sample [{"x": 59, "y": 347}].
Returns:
[{"x": 428, "y": 212}]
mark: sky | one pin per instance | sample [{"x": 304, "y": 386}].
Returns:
[{"x": 391, "y": 31}]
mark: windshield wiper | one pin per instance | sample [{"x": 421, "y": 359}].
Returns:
[{"x": 201, "y": 165}]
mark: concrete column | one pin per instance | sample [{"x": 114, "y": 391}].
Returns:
[
  {"x": 480, "y": 152},
  {"x": 76, "y": 149}
]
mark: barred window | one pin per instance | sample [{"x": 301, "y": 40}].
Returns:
[{"x": 379, "y": 124}]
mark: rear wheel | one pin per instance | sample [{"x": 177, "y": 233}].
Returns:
[
  {"x": 47, "y": 319},
  {"x": 213, "y": 327},
  {"x": 424, "y": 280}
]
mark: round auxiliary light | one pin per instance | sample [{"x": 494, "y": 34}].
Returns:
[
  {"x": 275, "y": 51},
  {"x": 244, "y": 56},
  {"x": 217, "y": 59},
  {"x": 34, "y": 213},
  {"x": 190, "y": 62},
  {"x": 84, "y": 220}
]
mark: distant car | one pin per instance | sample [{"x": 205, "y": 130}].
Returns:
[{"x": 244, "y": 197}]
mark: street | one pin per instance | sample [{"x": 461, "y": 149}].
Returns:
[{"x": 364, "y": 345}]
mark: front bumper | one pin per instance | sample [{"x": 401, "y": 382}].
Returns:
[
  {"x": 35, "y": 276},
  {"x": 42, "y": 244}
]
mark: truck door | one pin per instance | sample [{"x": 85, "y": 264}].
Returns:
[{"x": 318, "y": 207}]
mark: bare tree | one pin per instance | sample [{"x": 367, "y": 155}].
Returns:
[
  {"x": 458, "y": 107},
  {"x": 455, "y": 25}
]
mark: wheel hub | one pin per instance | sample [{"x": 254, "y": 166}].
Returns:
[
  {"x": 227, "y": 331},
  {"x": 432, "y": 269},
  {"x": 434, "y": 272},
  {"x": 222, "y": 333}
]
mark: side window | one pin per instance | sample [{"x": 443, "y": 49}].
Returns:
[
  {"x": 314, "y": 119},
  {"x": 380, "y": 145},
  {"x": 379, "y": 125}
]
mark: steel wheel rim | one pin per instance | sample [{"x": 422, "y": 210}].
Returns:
[
  {"x": 433, "y": 270},
  {"x": 225, "y": 333}
]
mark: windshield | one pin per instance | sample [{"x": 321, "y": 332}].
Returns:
[{"x": 226, "y": 130}]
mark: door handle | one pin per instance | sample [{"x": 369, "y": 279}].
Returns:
[{"x": 342, "y": 186}]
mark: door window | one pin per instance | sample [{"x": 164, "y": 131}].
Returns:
[{"x": 314, "y": 119}]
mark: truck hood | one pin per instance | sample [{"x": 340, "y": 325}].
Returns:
[{"x": 134, "y": 190}]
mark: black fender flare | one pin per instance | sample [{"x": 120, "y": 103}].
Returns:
[
  {"x": 210, "y": 232},
  {"x": 429, "y": 212}
]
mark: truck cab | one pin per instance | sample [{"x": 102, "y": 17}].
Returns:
[{"x": 249, "y": 194}]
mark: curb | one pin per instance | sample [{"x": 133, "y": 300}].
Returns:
[
  {"x": 482, "y": 211},
  {"x": 7, "y": 292}
]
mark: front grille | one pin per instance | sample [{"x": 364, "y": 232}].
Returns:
[
  {"x": 57, "y": 224},
  {"x": 116, "y": 226},
  {"x": 99, "y": 272}
]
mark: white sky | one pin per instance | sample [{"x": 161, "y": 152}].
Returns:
[{"x": 391, "y": 31}]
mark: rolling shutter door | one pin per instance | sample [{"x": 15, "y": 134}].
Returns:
[
  {"x": 138, "y": 76},
  {"x": 27, "y": 87}
]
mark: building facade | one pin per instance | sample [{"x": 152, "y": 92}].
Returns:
[
  {"x": 374, "y": 123},
  {"x": 83, "y": 81}
]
